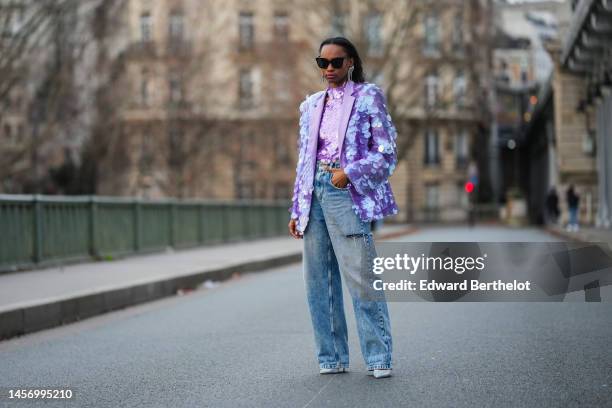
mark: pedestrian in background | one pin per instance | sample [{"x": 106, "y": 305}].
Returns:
[
  {"x": 573, "y": 202},
  {"x": 552, "y": 205},
  {"x": 347, "y": 151}
]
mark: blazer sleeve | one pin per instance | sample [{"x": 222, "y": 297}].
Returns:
[
  {"x": 301, "y": 137},
  {"x": 380, "y": 160}
]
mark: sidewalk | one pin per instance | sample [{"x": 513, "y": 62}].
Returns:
[
  {"x": 585, "y": 234},
  {"x": 40, "y": 299}
]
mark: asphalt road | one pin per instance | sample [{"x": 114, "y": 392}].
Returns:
[{"x": 248, "y": 343}]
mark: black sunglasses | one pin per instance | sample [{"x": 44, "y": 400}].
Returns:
[{"x": 336, "y": 62}]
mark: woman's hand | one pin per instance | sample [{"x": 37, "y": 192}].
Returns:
[
  {"x": 293, "y": 230},
  {"x": 339, "y": 178}
]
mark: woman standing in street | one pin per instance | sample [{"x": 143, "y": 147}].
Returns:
[{"x": 347, "y": 151}]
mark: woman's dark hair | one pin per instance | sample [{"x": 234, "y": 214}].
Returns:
[{"x": 352, "y": 53}]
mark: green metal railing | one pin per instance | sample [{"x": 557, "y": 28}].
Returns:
[{"x": 37, "y": 230}]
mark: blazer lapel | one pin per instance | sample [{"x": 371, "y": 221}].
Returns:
[
  {"x": 315, "y": 122},
  {"x": 347, "y": 106}
]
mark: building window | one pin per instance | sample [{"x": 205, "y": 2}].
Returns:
[
  {"x": 431, "y": 27},
  {"x": 247, "y": 150},
  {"x": 459, "y": 89},
  {"x": 176, "y": 26},
  {"x": 246, "y": 88},
  {"x": 432, "y": 147},
  {"x": 432, "y": 89},
  {"x": 524, "y": 75},
  {"x": 457, "y": 38},
  {"x": 281, "y": 26},
  {"x": 144, "y": 87},
  {"x": 8, "y": 134},
  {"x": 461, "y": 149},
  {"x": 175, "y": 85},
  {"x": 19, "y": 135},
  {"x": 373, "y": 26},
  {"x": 432, "y": 196},
  {"x": 261, "y": 189},
  {"x": 145, "y": 27},
  {"x": 175, "y": 142},
  {"x": 245, "y": 190},
  {"x": 247, "y": 30},
  {"x": 147, "y": 153},
  {"x": 283, "y": 86},
  {"x": 462, "y": 195},
  {"x": 281, "y": 149},
  {"x": 339, "y": 23},
  {"x": 281, "y": 191}
]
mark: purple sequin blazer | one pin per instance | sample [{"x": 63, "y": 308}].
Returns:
[{"x": 368, "y": 152}]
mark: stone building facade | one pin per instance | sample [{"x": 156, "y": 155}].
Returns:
[
  {"x": 585, "y": 59},
  {"x": 213, "y": 93},
  {"x": 200, "y": 99},
  {"x": 566, "y": 131},
  {"x": 209, "y": 107}
]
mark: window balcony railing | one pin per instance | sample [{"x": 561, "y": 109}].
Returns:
[
  {"x": 142, "y": 49},
  {"x": 179, "y": 47}
]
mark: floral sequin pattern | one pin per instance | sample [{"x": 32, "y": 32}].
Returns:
[
  {"x": 302, "y": 192},
  {"x": 373, "y": 154},
  {"x": 368, "y": 156}
]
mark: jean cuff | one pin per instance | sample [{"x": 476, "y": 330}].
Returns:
[
  {"x": 333, "y": 365},
  {"x": 379, "y": 367}
]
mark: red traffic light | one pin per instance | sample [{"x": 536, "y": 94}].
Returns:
[{"x": 469, "y": 187}]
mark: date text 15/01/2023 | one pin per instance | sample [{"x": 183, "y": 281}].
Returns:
[{"x": 473, "y": 284}]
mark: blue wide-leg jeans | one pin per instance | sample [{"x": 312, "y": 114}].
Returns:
[{"x": 337, "y": 242}]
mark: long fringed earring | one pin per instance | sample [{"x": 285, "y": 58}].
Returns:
[
  {"x": 350, "y": 72},
  {"x": 323, "y": 78}
]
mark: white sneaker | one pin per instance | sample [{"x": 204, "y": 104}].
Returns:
[
  {"x": 334, "y": 370},
  {"x": 380, "y": 372}
]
